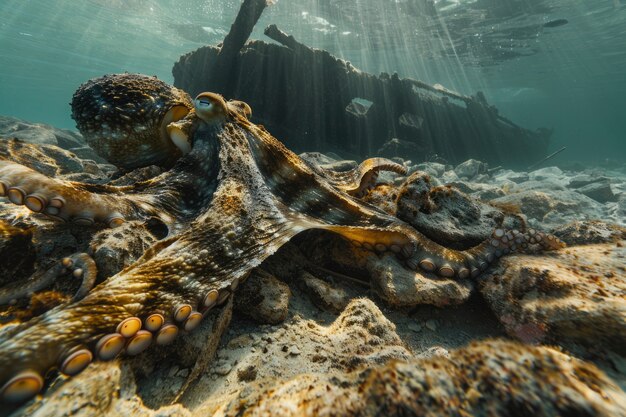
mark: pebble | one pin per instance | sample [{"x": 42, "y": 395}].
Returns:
[
  {"x": 223, "y": 369},
  {"x": 294, "y": 351},
  {"x": 173, "y": 370},
  {"x": 415, "y": 327},
  {"x": 431, "y": 325}
]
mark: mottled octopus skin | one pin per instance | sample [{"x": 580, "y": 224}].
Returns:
[
  {"x": 121, "y": 117},
  {"x": 231, "y": 202}
]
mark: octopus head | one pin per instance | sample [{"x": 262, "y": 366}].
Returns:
[
  {"x": 211, "y": 108},
  {"x": 125, "y": 118}
]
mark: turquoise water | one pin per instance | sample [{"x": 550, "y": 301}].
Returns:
[{"x": 538, "y": 69}]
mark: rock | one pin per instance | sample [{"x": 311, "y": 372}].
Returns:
[
  {"x": 508, "y": 175},
  {"x": 573, "y": 295},
  {"x": 395, "y": 147},
  {"x": 39, "y": 133},
  {"x": 553, "y": 208},
  {"x": 402, "y": 287},
  {"x": 599, "y": 191},
  {"x": 360, "y": 337},
  {"x": 588, "y": 232},
  {"x": 545, "y": 173},
  {"x": 104, "y": 388},
  {"x": 50, "y": 160},
  {"x": 325, "y": 295},
  {"x": 586, "y": 179},
  {"x": 485, "y": 378},
  {"x": 91, "y": 167},
  {"x": 434, "y": 352},
  {"x": 470, "y": 168},
  {"x": 449, "y": 176},
  {"x": 86, "y": 152},
  {"x": 463, "y": 186},
  {"x": 431, "y": 325},
  {"x": 415, "y": 327},
  {"x": 432, "y": 168},
  {"x": 340, "y": 166},
  {"x": 488, "y": 193},
  {"x": 263, "y": 298},
  {"x": 445, "y": 214},
  {"x": 223, "y": 368},
  {"x": 317, "y": 158}
]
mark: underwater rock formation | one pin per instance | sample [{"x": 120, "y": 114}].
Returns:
[
  {"x": 358, "y": 366},
  {"x": 575, "y": 295},
  {"x": 314, "y": 101}
]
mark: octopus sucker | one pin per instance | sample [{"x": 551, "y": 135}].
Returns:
[
  {"x": 109, "y": 346},
  {"x": 76, "y": 362},
  {"x": 230, "y": 196},
  {"x": 166, "y": 334}
]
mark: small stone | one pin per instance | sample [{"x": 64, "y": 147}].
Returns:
[
  {"x": 324, "y": 295},
  {"x": 340, "y": 166},
  {"x": 223, "y": 369},
  {"x": 173, "y": 370},
  {"x": 175, "y": 385},
  {"x": 294, "y": 351},
  {"x": 470, "y": 168},
  {"x": 415, "y": 327},
  {"x": 431, "y": 325},
  {"x": 183, "y": 373},
  {"x": 599, "y": 191}
]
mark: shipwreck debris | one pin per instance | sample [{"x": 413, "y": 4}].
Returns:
[{"x": 312, "y": 100}]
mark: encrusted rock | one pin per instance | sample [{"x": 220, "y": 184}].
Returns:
[
  {"x": 403, "y": 287},
  {"x": 48, "y": 159},
  {"x": 591, "y": 231},
  {"x": 340, "y": 166},
  {"x": 599, "y": 191},
  {"x": 40, "y": 133},
  {"x": 545, "y": 173},
  {"x": 263, "y": 298},
  {"x": 486, "y": 378},
  {"x": 573, "y": 295},
  {"x": 433, "y": 168},
  {"x": 445, "y": 214},
  {"x": 103, "y": 389},
  {"x": 324, "y": 295},
  {"x": 552, "y": 207},
  {"x": 470, "y": 168},
  {"x": 585, "y": 179}
]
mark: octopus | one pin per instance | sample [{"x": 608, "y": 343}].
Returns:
[{"x": 228, "y": 196}]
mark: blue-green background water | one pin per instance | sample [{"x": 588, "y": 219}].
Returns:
[{"x": 571, "y": 77}]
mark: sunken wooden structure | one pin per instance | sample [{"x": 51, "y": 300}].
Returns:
[{"x": 314, "y": 101}]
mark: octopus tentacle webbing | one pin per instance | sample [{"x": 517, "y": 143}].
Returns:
[{"x": 230, "y": 201}]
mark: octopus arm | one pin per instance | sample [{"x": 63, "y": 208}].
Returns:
[
  {"x": 82, "y": 204},
  {"x": 359, "y": 180},
  {"x": 316, "y": 203}
]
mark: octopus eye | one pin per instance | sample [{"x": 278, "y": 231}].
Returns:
[
  {"x": 203, "y": 104},
  {"x": 210, "y": 107}
]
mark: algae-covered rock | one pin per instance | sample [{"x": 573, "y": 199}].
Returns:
[
  {"x": 494, "y": 378},
  {"x": 574, "y": 295}
]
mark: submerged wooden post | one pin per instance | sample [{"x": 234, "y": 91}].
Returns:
[{"x": 240, "y": 31}]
